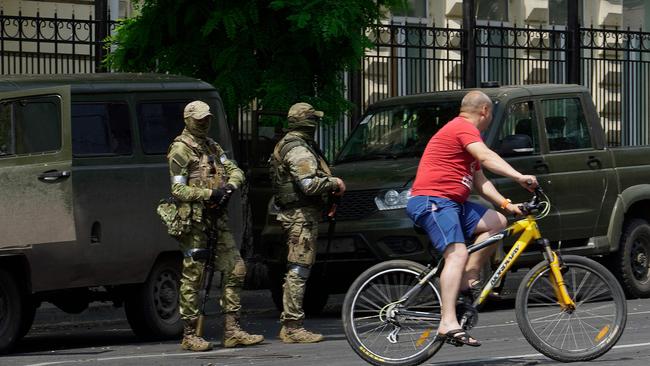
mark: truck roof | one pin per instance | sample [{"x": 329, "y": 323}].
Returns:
[
  {"x": 498, "y": 93},
  {"x": 104, "y": 82}
]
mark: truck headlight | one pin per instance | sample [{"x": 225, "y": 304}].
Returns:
[{"x": 392, "y": 199}]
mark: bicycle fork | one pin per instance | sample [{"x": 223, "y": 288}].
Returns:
[{"x": 557, "y": 280}]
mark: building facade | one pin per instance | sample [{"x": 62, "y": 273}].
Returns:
[{"x": 50, "y": 36}]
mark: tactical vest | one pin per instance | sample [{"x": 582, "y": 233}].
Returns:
[
  {"x": 287, "y": 192},
  {"x": 205, "y": 169}
]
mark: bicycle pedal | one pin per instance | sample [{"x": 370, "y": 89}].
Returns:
[{"x": 467, "y": 316}]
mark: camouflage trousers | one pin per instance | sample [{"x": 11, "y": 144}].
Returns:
[
  {"x": 228, "y": 261},
  {"x": 301, "y": 229}
]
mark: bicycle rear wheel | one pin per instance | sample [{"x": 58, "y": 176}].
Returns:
[
  {"x": 583, "y": 334},
  {"x": 381, "y": 330}
]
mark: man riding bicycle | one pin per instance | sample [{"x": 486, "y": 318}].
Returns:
[{"x": 448, "y": 170}]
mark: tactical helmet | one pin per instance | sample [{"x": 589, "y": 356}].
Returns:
[{"x": 303, "y": 115}]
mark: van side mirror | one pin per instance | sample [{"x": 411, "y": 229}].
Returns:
[{"x": 516, "y": 145}]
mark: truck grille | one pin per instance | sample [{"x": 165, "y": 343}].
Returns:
[{"x": 356, "y": 205}]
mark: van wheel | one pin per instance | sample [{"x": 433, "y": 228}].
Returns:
[
  {"x": 11, "y": 302},
  {"x": 276, "y": 280},
  {"x": 316, "y": 295},
  {"x": 152, "y": 307},
  {"x": 633, "y": 258},
  {"x": 29, "y": 312}
]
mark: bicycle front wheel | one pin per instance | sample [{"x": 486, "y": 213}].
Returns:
[
  {"x": 381, "y": 329},
  {"x": 582, "y": 334}
]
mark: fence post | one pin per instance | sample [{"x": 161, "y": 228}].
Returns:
[
  {"x": 468, "y": 44},
  {"x": 356, "y": 84},
  {"x": 573, "y": 75},
  {"x": 101, "y": 32}
]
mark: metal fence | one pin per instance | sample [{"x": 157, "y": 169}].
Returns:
[
  {"x": 407, "y": 59},
  {"x": 614, "y": 64},
  {"x": 41, "y": 45}
]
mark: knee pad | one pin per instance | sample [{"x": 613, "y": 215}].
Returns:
[{"x": 302, "y": 271}]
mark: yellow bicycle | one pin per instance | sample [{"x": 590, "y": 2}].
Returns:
[{"x": 569, "y": 308}]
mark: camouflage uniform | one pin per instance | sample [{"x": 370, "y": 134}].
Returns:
[
  {"x": 302, "y": 182},
  {"x": 201, "y": 176}
]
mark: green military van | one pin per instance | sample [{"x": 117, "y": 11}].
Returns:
[
  {"x": 82, "y": 168},
  {"x": 600, "y": 195}
]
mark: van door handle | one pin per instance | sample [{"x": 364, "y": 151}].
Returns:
[
  {"x": 52, "y": 176},
  {"x": 541, "y": 166},
  {"x": 594, "y": 162}
]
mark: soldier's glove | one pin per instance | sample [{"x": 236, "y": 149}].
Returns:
[
  {"x": 228, "y": 191},
  {"x": 217, "y": 195}
]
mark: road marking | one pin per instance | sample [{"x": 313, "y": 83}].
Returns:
[
  {"x": 514, "y": 322},
  {"x": 155, "y": 355},
  {"x": 525, "y": 356}
]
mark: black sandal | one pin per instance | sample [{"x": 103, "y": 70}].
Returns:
[{"x": 459, "y": 337}]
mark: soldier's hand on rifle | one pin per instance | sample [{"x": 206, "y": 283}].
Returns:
[
  {"x": 228, "y": 191},
  {"x": 216, "y": 197},
  {"x": 341, "y": 187}
]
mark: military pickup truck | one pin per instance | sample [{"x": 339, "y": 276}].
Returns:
[{"x": 600, "y": 195}]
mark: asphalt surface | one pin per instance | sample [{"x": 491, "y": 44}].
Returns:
[{"x": 101, "y": 336}]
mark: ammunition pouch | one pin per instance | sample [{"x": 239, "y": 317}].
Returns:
[{"x": 178, "y": 216}]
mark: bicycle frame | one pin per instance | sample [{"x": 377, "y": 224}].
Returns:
[{"x": 529, "y": 233}]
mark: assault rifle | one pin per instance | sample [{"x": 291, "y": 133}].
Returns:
[
  {"x": 334, "y": 201},
  {"x": 207, "y": 256}
]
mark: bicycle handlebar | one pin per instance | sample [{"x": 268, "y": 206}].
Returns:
[{"x": 535, "y": 203}]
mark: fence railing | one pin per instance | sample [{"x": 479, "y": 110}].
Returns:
[
  {"x": 407, "y": 59},
  {"x": 42, "y": 45},
  {"x": 614, "y": 64}
]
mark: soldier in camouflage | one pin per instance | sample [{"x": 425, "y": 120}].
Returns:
[
  {"x": 302, "y": 182},
  {"x": 203, "y": 178}
]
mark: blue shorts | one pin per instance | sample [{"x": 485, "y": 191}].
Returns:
[{"x": 444, "y": 220}]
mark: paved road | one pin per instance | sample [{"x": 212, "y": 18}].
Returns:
[{"x": 102, "y": 337}]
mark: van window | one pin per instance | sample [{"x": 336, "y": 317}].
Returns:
[
  {"x": 101, "y": 129},
  {"x": 401, "y": 131},
  {"x": 30, "y": 125},
  {"x": 160, "y": 123}
]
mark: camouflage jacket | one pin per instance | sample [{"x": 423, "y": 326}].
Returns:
[
  {"x": 301, "y": 175},
  {"x": 203, "y": 164}
]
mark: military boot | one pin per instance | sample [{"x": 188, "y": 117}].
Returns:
[
  {"x": 234, "y": 336},
  {"x": 192, "y": 342},
  {"x": 293, "y": 332}
]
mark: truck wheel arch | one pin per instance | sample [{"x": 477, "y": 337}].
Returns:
[{"x": 632, "y": 202}]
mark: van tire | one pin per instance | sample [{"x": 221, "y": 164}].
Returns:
[
  {"x": 11, "y": 305},
  {"x": 152, "y": 307},
  {"x": 29, "y": 312},
  {"x": 632, "y": 262}
]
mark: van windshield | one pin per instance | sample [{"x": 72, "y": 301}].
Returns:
[{"x": 399, "y": 131}]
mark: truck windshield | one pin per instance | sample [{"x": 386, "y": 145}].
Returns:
[{"x": 399, "y": 131}]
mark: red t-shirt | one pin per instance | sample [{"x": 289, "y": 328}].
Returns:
[{"x": 446, "y": 168}]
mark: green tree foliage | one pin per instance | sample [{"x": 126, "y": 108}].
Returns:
[{"x": 275, "y": 51}]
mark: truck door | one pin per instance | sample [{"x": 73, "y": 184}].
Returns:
[
  {"x": 518, "y": 141},
  {"x": 578, "y": 168},
  {"x": 35, "y": 168}
]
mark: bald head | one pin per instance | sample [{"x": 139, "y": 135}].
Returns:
[
  {"x": 477, "y": 108},
  {"x": 474, "y": 101}
]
